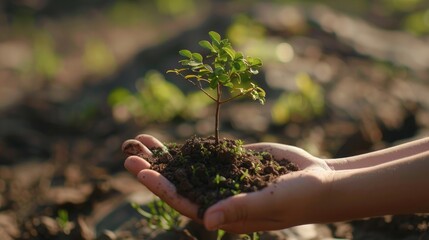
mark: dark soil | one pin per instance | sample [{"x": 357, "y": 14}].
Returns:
[
  {"x": 206, "y": 172},
  {"x": 59, "y": 138}
]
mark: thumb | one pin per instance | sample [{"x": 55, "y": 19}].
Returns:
[
  {"x": 230, "y": 210},
  {"x": 236, "y": 210}
]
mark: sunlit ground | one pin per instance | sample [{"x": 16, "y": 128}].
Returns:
[{"x": 79, "y": 77}]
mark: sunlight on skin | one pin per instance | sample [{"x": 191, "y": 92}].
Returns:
[
  {"x": 135, "y": 164},
  {"x": 303, "y": 159},
  {"x": 165, "y": 190},
  {"x": 154, "y": 181},
  {"x": 149, "y": 141},
  {"x": 308, "y": 195},
  {"x": 262, "y": 217},
  {"x": 304, "y": 184}
]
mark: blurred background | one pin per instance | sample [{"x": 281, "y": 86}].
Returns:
[{"x": 77, "y": 78}]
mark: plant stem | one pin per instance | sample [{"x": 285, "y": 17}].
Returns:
[
  {"x": 237, "y": 96},
  {"x": 218, "y": 103}
]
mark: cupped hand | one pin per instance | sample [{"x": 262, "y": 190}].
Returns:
[
  {"x": 154, "y": 181},
  {"x": 292, "y": 200}
]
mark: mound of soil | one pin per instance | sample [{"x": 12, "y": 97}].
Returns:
[{"x": 206, "y": 172}]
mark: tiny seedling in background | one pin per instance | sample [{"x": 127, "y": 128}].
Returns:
[
  {"x": 160, "y": 215},
  {"x": 63, "y": 220},
  {"x": 222, "y": 68},
  {"x": 219, "y": 234},
  {"x": 255, "y": 236}
]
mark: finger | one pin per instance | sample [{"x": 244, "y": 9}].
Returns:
[
  {"x": 238, "y": 211},
  {"x": 269, "y": 207},
  {"x": 166, "y": 191},
  {"x": 277, "y": 150},
  {"x": 280, "y": 151},
  {"x": 135, "y": 164},
  {"x": 252, "y": 226},
  {"x": 149, "y": 141},
  {"x": 133, "y": 147}
]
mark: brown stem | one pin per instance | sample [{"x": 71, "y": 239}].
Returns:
[
  {"x": 237, "y": 96},
  {"x": 218, "y": 103},
  {"x": 199, "y": 86}
]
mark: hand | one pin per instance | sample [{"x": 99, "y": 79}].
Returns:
[
  {"x": 285, "y": 203},
  {"x": 292, "y": 200},
  {"x": 153, "y": 180}
]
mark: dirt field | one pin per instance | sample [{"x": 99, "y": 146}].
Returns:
[{"x": 61, "y": 172}]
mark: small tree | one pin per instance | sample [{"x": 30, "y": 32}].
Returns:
[{"x": 222, "y": 68}]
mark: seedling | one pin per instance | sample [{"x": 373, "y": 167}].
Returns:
[
  {"x": 218, "y": 179},
  {"x": 63, "y": 220},
  {"x": 220, "y": 234},
  {"x": 206, "y": 170},
  {"x": 160, "y": 215},
  {"x": 222, "y": 68},
  {"x": 245, "y": 174},
  {"x": 255, "y": 236}
]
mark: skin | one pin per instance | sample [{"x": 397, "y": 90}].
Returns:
[{"x": 389, "y": 181}]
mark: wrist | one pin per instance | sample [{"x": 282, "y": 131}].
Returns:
[
  {"x": 311, "y": 204},
  {"x": 390, "y": 188}
]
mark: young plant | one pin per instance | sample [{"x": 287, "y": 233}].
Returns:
[
  {"x": 255, "y": 236},
  {"x": 222, "y": 68},
  {"x": 160, "y": 215},
  {"x": 63, "y": 220}
]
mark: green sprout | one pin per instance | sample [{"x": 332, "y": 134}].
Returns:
[
  {"x": 244, "y": 174},
  {"x": 255, "y": 236},
  {"x": 160, "y": 215},
  {"x": 63, "y": 220},
  {"x": 218, "y": 179},
  {"x": 222, "y": 68},
  {"x": 219, "y": 234},
  {"x": 257, "y": 166}
]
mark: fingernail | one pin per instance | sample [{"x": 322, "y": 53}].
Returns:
[{"x": 214, "y": 220}]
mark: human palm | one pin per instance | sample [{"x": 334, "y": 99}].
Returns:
[{"x": 279, "y": 205}]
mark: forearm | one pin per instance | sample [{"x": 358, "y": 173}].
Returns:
[
  {"x": 398, "y": 187},
  {"x": 381, "y": 156}
]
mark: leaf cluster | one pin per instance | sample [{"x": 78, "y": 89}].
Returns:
[{"x": 221, "y": 66}]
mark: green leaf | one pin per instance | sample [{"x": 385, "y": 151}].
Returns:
[
  {"x": 213, "y": 83},
  {"x": 224, "y": 79},
  {"x": 177, "y": 71},
  {"x": 239, "y": 66},
  {"x": 203, "y": 73},
  {"x": 208, "y": 67},
  {"x": 215, "y": 36},
  {"x": 191, "y": 76},
  {"x": 229, "y": 85},
  {"x": 245, "y": 77},
  {"x": 229, "y": 51},
  {"x": 258, "y": 94},
  {"x": 254, "y": 62},
  {"x": 220, "y": 234},
  {"x": 238, "y": 55},
  {"x": 261, "y": 91},
  {"x": 197, "y": 68},
  {"x": 236, "y": 78},
  {"x": 193, "y": 63},
  {"x": 219, "y": 70},
  {"x": 197, "y": 57},
  {"x": 253, "y": 71},
  {"x": 206, "y": 44},
  {"x": 222, "y": 57},
  {"x": 185, "y": 53}
]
